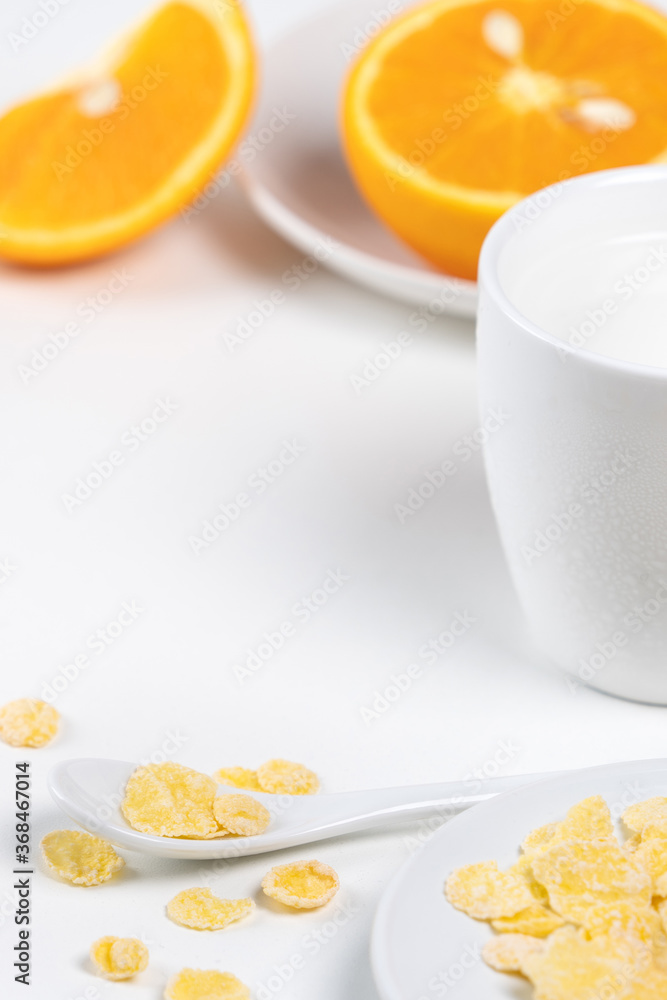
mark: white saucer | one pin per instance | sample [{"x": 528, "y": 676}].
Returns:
[
  {"x": 298, "y": 180},
  {"x": 421, "y": 943}
]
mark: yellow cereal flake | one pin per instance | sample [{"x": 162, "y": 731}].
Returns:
[
  {"x": 573, "y": 968},
  {"x": 508, "y": 952},
  {"x": 589, "y": 819},
  {"x": 523, "y": 869},
  {"x": 632, "y": 843},
  {"x": 238, "y": 777},
  {"x": 485, "y": 893},
  {"x": 216, "y": 835},
  {"x": 119, "y": 958},
  {"x": 652, "y": 852},
  {"x": 647, "y": 984},
  {"x": 653, "y": 811},
  {"x": 539, "y": 839},
  {"x": 200, "y": 984},
  {"x": 241, "y": 814},
  {"x": 578, "y": 874},
  {"x": 169, "y": 800},
  {"x": 28, "y": 723},
  {"x": 661, "y": 885},
  {"x": 536, "y": 921},
  {"x": 283, "y": 777},
  {"x": 301, "y": 884},
  {"x": 659, "y": 947},
  {"x": 200, "y": 909},
  {"x": 79, "y": 857},
  {"x": 623, "y": 919}
]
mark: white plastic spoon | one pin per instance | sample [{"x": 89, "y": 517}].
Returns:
[{"x": 90, "y": 790}]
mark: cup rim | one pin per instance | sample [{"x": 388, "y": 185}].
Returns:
[{"x": 498, "y": 237}]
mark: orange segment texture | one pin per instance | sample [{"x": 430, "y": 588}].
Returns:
[
  {"x": 460, "y": 108},
  {"x": 88, "y": 167}
]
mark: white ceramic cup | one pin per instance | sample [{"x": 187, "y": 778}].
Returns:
[{"x": 578, "y": 472}]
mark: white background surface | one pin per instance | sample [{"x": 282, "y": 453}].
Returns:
[{"x": 172, "y": 670}]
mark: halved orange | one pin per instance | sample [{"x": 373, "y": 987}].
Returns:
[
  {"x": 459, "y": 108},
  {"x": 89, "y": 166}
]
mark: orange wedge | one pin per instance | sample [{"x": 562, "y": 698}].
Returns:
[
  {"x": 460, "y": 108},
  {"x": 89, "y": 166}
]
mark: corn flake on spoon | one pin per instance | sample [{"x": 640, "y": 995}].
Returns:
[{"x": 90, "y": 791}]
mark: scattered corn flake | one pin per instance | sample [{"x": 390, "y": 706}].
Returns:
[
  {"x": 570, "y": 967},
  {"x": 639, "y": 815},
  {"x": 79, "y": 857},
  {"x": 28, "y": 722},
  {"x": 200, "y": 909},
  {"x": 238, "y": 777},
  {"x": 508, "y": 952},
  {"x": 577, "y": 874},
  {"x": 169, "y": 800},
  {"x": 485, "y": 893},
  {"x": 536, "y": 921},
  {"x": 209, "y": 984},
  {"x": 524, "y": 870},
  {"x": 623, "y": 918},
  {"x": 119, "y": 958},
  {"x": 538, "y": 839},
  {"x": 301, "y": 884},
  {"x": 661, "y": 885},
  {"x": 241, "y": 814},
  {"x": 589, "y": 819},
  {"x": 284, "y": 777}
]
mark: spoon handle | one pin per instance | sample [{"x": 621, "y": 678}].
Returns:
[{"x": 365, "y": 810}]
